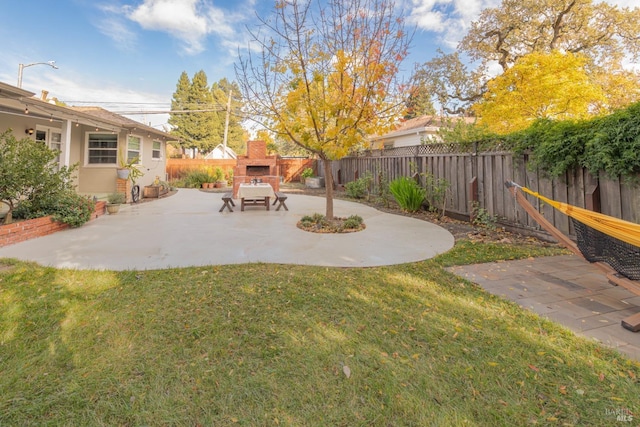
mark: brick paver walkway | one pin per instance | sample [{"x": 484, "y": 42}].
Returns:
[{"x": 566, "y": 289}]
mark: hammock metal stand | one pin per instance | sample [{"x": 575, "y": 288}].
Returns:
[{"x": 632, "y": 322}]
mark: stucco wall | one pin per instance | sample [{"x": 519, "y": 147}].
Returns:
[{"x": 91, "y": 179}]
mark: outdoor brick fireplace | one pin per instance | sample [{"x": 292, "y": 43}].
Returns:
[{"x": 256, "y": 165}]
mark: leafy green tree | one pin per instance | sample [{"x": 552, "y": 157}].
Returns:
[
  {"x": 195, "y": 118},
  {"x": 459, "y": 131},
  {"x": 180, "y": 103},
  {"x": 199, "y": 113},
  {"x": 29, "y": 174},
  {"x": 326, "y": 75},
  {"x": 451, "y": 83},
  {"x": 418, "y": 102},
  {"x": 203, "y": 120}
]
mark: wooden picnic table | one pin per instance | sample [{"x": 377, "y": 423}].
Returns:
[{"x": 255, "y": 195}]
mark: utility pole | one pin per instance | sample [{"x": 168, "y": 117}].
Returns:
[{"x": 226, "y": 126}]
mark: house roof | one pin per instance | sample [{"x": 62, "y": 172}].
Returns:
[
  {"x": 232, "y": 154},
  {"x": 14, "y": 100},
  {"x": 421, "y": 124},
  {"x": 122, "y": 121}
]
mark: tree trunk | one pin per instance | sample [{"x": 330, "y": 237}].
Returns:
[
  {"x": 8, "y": 219},
  {"x": 328, "y": 185}
]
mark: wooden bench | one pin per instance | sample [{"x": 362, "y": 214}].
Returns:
[
  {"x": 281, "y": 197},
  {"x": 227, "y": 198},
  {"x": 258, "y": 201}
]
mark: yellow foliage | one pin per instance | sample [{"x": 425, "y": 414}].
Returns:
[{"x": 540, "y": 85}]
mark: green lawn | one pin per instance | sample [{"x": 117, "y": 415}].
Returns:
[{"x": 269, "y": 345}]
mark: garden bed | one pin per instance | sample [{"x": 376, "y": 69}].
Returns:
[{"x": 19, "y": 231}]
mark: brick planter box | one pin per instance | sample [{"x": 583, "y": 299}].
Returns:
[{"x": 24, "y": 230}]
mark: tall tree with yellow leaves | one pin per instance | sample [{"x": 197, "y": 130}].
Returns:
[
  {"x": 604, "y": 34},
  {"x": 325, "y": 77},
  {"x": 539, "y": 86}
]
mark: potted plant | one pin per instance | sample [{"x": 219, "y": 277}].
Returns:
[
  {"x": 114, "y": 200},
  {"x": 310, "y": 180},
  {"x": 307, "y": 173},
  {"x": 219, "y": 177},
  {"x": 127, "y": 168}
]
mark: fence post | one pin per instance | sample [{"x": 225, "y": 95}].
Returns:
[
  {"x": 473, "y": 193},
  {"x": 592, "y": 198}
]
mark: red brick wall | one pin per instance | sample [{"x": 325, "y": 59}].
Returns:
[
  {"x": 24, "y": 230},
  {"x": 256, "y": 149}
]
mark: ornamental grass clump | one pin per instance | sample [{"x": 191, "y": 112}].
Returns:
[{"x": 408, "y": 194}]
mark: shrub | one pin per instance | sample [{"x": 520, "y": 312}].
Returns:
[
  {"x": 359, "y": 189},
  {"x": 196, "y": 177},
  {"x": 218, "y": 174},
  {"x": 436, "y": 192},
  {"x": 482, "y": 218},
  {"x": 353, "y": 222},
  {"x": 407, "y": 193},
  {"x": 67, "y": 207},
  {"x": 116, "y": 198},
  {"x": 29, "y": 176},
  {"x": 609, "y": 144},
  {"x": 307, "y": 173},
  {"x": 73, "y": 209}
]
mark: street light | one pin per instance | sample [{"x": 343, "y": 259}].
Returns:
[{"x": 21, "y": 67}]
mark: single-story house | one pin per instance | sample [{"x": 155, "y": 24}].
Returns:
[
  {"x": 219, "y": 153},
  {"x": 416, "y": 131},
  {"x": 92, "y": 137}
]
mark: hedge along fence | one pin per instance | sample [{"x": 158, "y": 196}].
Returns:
[
  {"x": 290, "y": 168},
  {"x": 476, "y": 180}
]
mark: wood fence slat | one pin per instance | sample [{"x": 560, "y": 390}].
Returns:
[
  {"x": 610, "y": 196},
  {"x": 491, "y": 170}
]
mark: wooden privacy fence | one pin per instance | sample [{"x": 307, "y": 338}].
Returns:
[
  {"x": 289, "y": 168},
  {"x": 476, "y": 181}
]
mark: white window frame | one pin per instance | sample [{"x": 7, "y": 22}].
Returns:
[
  {"x": 49, "y": 139},
  {"x": 88, "y": 149},
  {"x": 159, "y": 150},
  {"x": 131, "y": 153}
]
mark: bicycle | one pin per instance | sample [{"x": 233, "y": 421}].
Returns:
[{"x": 135, "y": 193}]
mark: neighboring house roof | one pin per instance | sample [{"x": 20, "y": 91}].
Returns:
[
  {"x": 422, "y": 124},
  {"x": 218, "y": 153}
]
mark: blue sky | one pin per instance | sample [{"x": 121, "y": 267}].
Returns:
[{"x": 127, "y": 55}]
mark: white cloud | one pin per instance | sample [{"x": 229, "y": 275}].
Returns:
[
  {"x": 189, "y": 21},
  {"x": 116, "y": 30},
  {"x": 450, "y": 18}
]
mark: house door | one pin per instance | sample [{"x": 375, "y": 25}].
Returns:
[{"x": 52, "y": 138}]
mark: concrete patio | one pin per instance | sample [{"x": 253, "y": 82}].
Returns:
[{"x": 186, "y": 229}]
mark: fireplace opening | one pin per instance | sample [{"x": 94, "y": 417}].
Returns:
[{"x": 257, "y": 170}]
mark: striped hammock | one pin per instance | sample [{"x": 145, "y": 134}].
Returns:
[{"x": 602, "y": 238}]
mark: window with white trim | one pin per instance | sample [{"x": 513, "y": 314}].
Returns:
[
  {"x": 51, "y": 137},
  {"x": 156, "y": 152},
  {"x": 134, "y": 148},
  {"x": 102, "y": 148}
]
